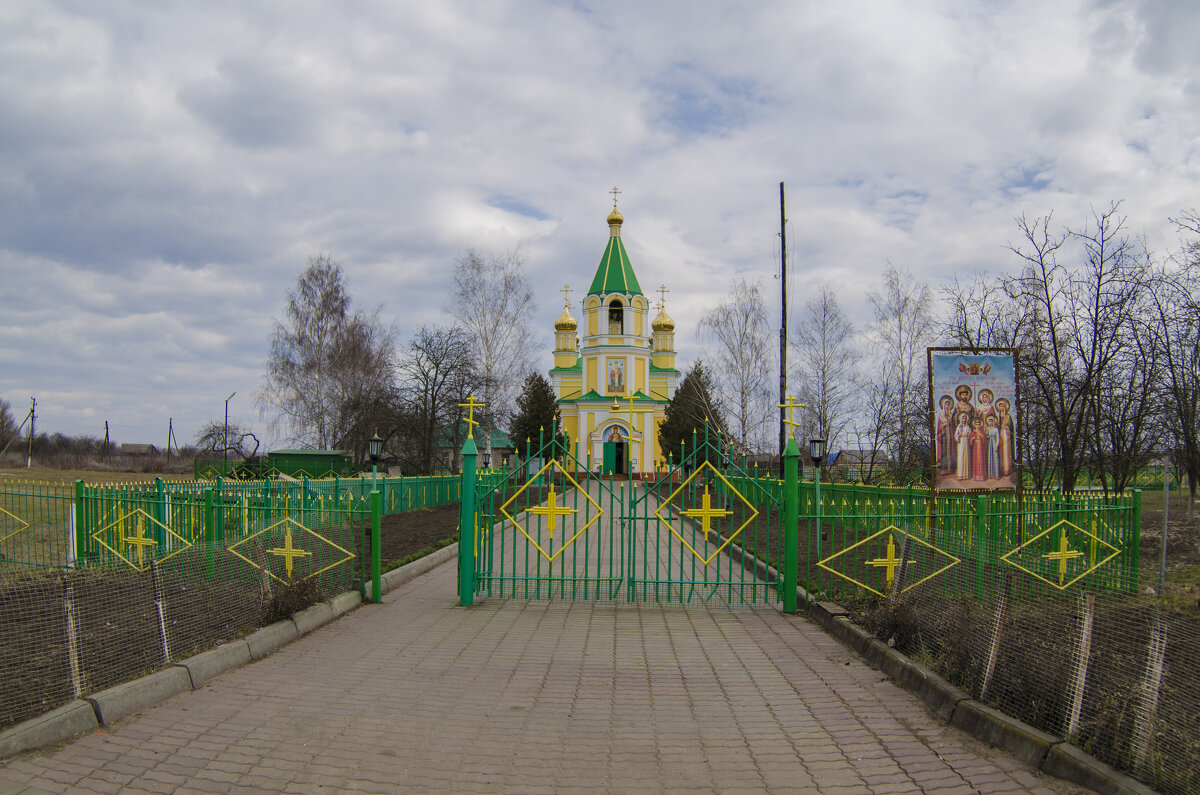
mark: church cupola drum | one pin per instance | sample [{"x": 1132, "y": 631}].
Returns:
[{"x": 615, "y": 373}]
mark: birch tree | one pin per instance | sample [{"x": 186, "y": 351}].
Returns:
[
  {"x": 493, "y": 301},
  {"x": 826, "y": 362},
  {"x": 741, "y": 358}
]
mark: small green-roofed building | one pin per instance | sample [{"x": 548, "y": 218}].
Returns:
[{"x": 310, "y": 463}]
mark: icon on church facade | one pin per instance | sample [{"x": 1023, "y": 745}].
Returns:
[{"x": 616, "y": 376}]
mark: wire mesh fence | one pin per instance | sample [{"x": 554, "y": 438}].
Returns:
[
  {"x": 1111, "y": 673},
  {"x": 101, "y": 585}
]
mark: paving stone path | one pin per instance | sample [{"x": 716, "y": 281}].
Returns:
[{"x": 418, "y": 694}]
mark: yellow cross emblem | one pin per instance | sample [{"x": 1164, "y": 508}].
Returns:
[
  {"x": 289, "y": 553},
  {"x": 139, "y": 540},
  {"x": 552, "y": 510},
  {"x": 889, "y": 561},
  {"x": 706, "y": 513},
  {"x": 1062, "y": 555}
]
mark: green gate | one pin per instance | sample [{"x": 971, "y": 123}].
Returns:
[{"x": 702, "y": 531}]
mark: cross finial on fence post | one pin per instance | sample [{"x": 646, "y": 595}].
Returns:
[
  {"x": 790, "y": 404},
  {"x": 470, "y": 406}
]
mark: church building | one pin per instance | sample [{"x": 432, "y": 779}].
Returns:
[{"x": 613, "y": 383}]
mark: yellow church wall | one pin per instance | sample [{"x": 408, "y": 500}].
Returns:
[{"x": 590, "y": 383}]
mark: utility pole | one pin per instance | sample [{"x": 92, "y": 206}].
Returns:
[
  {"x": 170, "y": 435},
  {"x": 782, "y": 322},
  {"x": 32, "y": 420},
  {"x": 107, "y": 444}
]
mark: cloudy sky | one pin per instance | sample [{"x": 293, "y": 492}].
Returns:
[{"x": 166, "y": 168}]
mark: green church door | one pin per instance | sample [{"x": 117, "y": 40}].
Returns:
[{"x": 614, "y": 458}]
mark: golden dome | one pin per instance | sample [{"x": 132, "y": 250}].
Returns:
[
  {"x": 615, "y": 217},
  {"x": 565, "y": 322},
  {"x": 663, "y": 322}
]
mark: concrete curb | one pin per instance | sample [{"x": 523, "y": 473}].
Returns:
[
  {"x": 1026, "y": 743},
  {"x": 107, "y": 706},
  {"x": 313, "y": 617},
  {"x": 53, "y": 727},
  {"x": 1067, "y": 761},
  {"x": 117, "y": 702},
  {"x": 1046, "y": 752},
  {"x": 270, "y": 638},
  {"x": 207, "y": 664}
]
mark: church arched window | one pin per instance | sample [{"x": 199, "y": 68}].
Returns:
[{"x": 616, "y": 318}]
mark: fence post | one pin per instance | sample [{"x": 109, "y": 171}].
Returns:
[
  {"x": 791, "y": 502},
  {"x": 160, "y": 509},
  {"x": 210, "y": 534},
  {"x": 81, "y": 525},
  {"x": 979, "y": 542},
  {"x": 1134, "y": 544},
  {"x": 466, "y": 526},
  {"x": 376, "y": 578}
]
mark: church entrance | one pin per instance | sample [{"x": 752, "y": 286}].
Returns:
[
  {"x": 616, "y": 452},
  {"x": 615, "y": 458}
]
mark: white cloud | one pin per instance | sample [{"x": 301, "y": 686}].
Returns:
[{"x": 166, "y": 170}]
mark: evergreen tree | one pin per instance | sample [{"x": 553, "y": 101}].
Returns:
[
  {"x": 537, "y": 409},
  {"x": 688, "y": 411}
]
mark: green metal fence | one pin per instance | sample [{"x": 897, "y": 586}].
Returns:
[
  {"x": 858, "y": 540},
  {"x": 63, "y": 525}
]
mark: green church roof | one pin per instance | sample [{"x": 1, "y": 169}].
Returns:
[{"x": 615, "y": 274}]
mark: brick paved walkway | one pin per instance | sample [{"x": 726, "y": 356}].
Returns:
[{"x": 418, "y": 694}]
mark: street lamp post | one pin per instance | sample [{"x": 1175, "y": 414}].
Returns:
[
  {"x": 374, "y": 450},
  {"x": 816, "y": 451},
  {"x": 225, "y": 436}
]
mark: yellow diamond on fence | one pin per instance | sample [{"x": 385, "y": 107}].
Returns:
[
  {"x": 552, "y": 509},
  {"x": 888, "y": 561},
  {"x": 294, "y": 533},
  {"x": 1063, "y": 551},
  {"x": 705, "y": 512},
  {"x": 133, "y": 534},
  {"x": 9, "y": 521}
]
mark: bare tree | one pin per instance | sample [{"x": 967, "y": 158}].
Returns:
[
  {"x": 217, "y": 437},
  {"x": 1078, "y": 321},
  {"x": 904, "y": 327},
  {"x": 324, "y": 358},
  {"x": 742, "y": 356},
  {"x": 1176, "y": 320},
  {"x": 437, "y": 376},
  {"x": 826, "y": 362},
  {"x": 493, "y": 301}
]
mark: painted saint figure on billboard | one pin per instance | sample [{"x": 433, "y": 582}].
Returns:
[{"x": 974, "y": 425}]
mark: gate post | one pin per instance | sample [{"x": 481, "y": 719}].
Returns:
[
  {"x": 466, "y": 526},
  {"x": 376, "y": 577},
  {"x": 791, "y": 521}
]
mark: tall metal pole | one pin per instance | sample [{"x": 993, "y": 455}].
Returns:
[
  {"x": 32, "y": 420},
  {"x": 225, "y": 436},
  {"x": 782, "y": 321}
]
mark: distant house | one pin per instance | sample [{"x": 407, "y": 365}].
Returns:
[
  {"x": 859, "y": 463},
  {"x": 137, "y": 449},
  {"x": 502, "y": 449}
]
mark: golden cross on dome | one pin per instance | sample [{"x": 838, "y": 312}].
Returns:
[
  {"x": 614, "y": 192},
  {"x": 566, "y": 291},
  {"x": 470, "y": 406},
  {"x": 662, "y": 295},
  {"x": 790, "y": 404}
]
